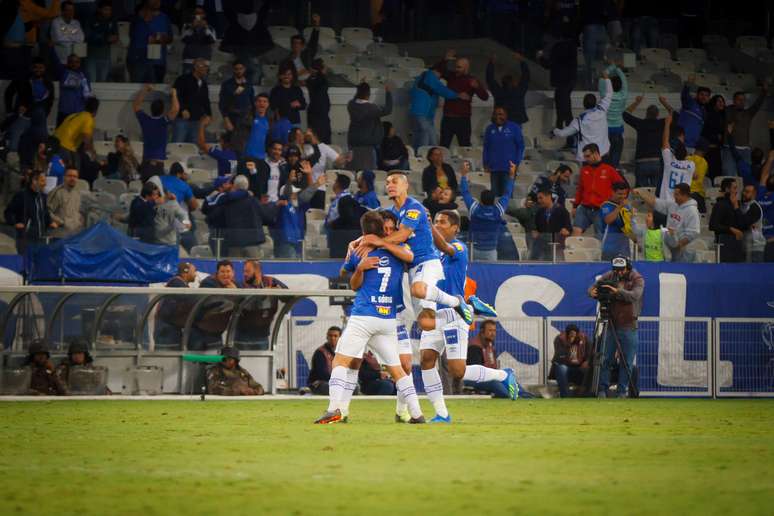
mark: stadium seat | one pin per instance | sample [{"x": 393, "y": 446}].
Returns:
[
  {"x": 315, "y": 214},
  {"x": 327, "y": 37},
  {"x": 550, "y": 143},
  {"x": 184, "y": 150},
  {"x": 201, "y": 176},
  {"x": 359, "y": 37},
  {"x": 116, "y": 187},
  {"x": 339, "y": 59},
  {"x": 399, "y": 77},
  {"x": 348, "y": 72},
  {"x": 365, "y": 74},
  {"x": 201, "y": 161},
  {"x": 709, "y": 40},
  {"x": 695, "y": 55},
  {"x": 667, "y": 80},
  {"x": 137, "y": 147},
  {"x": 417, "y": 163},
  {"x": 82, "y": 185},
  {"x": 580, "y": 242},
  {"x": 201, "y": 251},
  {"x": 103, "y": 148},
  {"x": 741, "y": 82},
  {"x": 479, "y": 177},
  {"x": 746, "y": 42},
  {"x": 656, "y": 56},
  {"x": 281, "y": 34},
  {"x": 383, "y": 49},
  {"x": 578, "y": 255},
  {"x": 406, "y": 62}
]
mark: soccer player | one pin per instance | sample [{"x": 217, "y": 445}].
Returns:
[
  {"x": 404, "y": 320},
  {"x": 454, "y": 330},
  {"x": 377, "y": 278},
  {"x": 404, "y": 325}
]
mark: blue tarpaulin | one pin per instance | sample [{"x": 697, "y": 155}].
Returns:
[{"x": 100, "y": 253}]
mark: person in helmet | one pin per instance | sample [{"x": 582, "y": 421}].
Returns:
[
  {"x": 227, "y": 378},
  {"x": 77, "y": 355},
  {"x": 44, "y": 381},
  {"x": 624, "y": 311}
]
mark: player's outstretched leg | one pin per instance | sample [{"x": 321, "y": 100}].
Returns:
[{"x": 479, "y": 373}]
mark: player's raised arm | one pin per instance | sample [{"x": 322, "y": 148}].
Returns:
[
  {"x": 441, "y": 243},
  {"x": 401, "y": 252}
]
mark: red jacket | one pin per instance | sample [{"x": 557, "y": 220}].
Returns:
[
  {"x": 596, "y": 185},
  {"x": 460, "y": 84}
]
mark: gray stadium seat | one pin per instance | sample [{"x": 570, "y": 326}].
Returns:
[{"x": 116, "y": 187}]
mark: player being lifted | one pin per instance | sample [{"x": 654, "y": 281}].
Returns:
[
  {"x": 425, "y": 270},
  {"x": 453, "y": 333},
  {"x": 377, "y": 278}
]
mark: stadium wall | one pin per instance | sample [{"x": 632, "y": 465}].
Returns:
[{"x": 705, "y": 329}]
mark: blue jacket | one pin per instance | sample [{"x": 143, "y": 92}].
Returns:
[
  {"x": 486, "y": 222},
  {"x": 691, "y": 117},
  {"x": 502, "y": 145},
  {"x": 290, "y": 222},
  {"x": 74, "y": 87},
  {"x": 424, "y": 94},
  {"x": 368, "y": 200}
]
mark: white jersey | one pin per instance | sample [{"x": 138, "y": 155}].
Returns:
[{"x": 675, "y": 172}]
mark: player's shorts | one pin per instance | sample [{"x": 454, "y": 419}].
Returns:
[
  {"x": 404, "y": 333},
  {"x": 378, "y": 334},
  {"x": 453, "y": 337},
  {"x": 430, "y": 273}
]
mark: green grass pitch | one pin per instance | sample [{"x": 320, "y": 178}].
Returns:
[{"x": 498, "y": 457}]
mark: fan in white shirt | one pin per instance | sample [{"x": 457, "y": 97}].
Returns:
[
  {"x": 677, "y": 169},
  {"x": 320, "y": 154}
]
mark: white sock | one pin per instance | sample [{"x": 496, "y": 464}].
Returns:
[
  {"x": 444, "y": 316},
  {"x": 439, "y": 296},
  {"x": 406, "y": 390},
  {"x": 434, "y": 390},
  {"x": 400, "y": 404},
  {"x": 336, "y": 386},
  {"x": 349, "y": 389},
  {"x": 478, "y": 374}
]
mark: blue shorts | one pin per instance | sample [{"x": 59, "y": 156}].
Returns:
[{"x": 586, "y": 216}]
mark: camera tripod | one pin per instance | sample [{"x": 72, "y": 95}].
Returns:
[{"x": 602, "y": 326}]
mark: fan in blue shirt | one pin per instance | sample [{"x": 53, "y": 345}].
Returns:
[
  {"x": 224, "y": 156},
  {"x": 154, "y": 126},
  {"x": 256, "y": 142},
  {"x": 486, "y": 217}
]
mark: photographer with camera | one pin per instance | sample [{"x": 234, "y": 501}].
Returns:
[{"x": 619, "y": 293}]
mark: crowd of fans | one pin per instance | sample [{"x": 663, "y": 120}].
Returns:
[{"x": 271, "y": 171}]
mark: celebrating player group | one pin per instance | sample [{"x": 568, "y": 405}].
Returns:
[{"x": 394, "y": 240}]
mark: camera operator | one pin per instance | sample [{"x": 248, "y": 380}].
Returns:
[{"x": 619, "y": 293}]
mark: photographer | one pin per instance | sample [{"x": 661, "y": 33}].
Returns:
[{"x": 619, "y": 293}]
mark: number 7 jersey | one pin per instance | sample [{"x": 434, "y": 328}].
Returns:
[{"x": 382, "y": 288}]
